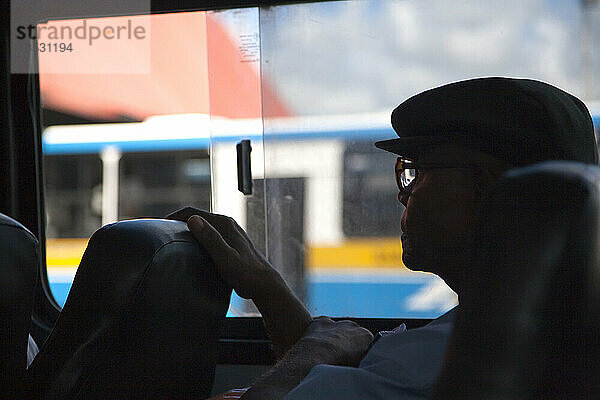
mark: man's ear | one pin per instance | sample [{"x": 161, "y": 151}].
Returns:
[{"x": 485, "y": 176}]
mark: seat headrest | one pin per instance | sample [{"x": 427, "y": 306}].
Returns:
[
  {"x": 529, "y": 321},
  {"x": 142, "y": 318},
  {"x": 19, "y": 263}
]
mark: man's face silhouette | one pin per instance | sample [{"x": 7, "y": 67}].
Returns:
[{"x": 441, "y": 210}]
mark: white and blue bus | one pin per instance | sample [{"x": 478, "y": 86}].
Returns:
[{"x": 341, "y": 211}]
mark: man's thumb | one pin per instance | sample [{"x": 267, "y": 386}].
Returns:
[
  {"x": 195, "y": 223},
  {"x": 209, "y": 238}
]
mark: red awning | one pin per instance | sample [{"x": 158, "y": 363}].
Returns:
[{"x": 196, "y": 66}]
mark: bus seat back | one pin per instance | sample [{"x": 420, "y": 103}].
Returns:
[
  {"x": 19, "y": 263},
  {"x": 529, "y": 322},
  {"x": 142, "y": 318}
]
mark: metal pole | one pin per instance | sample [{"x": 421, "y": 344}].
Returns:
[{"x": 110, "y": 157}]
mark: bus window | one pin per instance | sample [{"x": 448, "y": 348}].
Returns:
[
  {"x": 131, "y": 144},
  {"x": 369, "y": 205},
  {"x": 342, "y": 67},
  {"x": 312, "y": 87}
]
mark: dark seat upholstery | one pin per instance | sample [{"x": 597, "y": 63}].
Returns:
[
  {"x": 529, "y": 326},
  {"x": 141, "y": 320},
  {"x": 19, "y": 262}
]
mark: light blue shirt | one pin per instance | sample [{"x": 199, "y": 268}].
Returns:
[{"x": 401, "y": 365}]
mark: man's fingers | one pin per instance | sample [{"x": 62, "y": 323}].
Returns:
[
  {"x": 183, "y": 214},
  {"x": 233, "y": 234},
  {"x": 227, "y": 227},
  {"x": 216, "y": 220},
  {"x": 211, "y": 239}
]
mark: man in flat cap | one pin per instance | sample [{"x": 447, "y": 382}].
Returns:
[
  {"x": 457, "y": 139},
  {"x": 454, "y": 141}
]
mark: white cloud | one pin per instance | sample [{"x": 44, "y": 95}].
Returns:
[{"x": 370, "y": 55}]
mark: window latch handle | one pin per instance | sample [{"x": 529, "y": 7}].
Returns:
[{"x": 244, "y": 172}]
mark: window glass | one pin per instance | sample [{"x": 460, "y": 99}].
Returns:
[
  {"x": 312, "y": 87},
  {"x": 122, "y": 144},
  {"x": 340, "y": 68},
  {"x": 235, "y": 92},
  {"x": 369, "y": 192}
]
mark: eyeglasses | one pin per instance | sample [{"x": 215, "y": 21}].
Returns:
[{"x": 407, "y": 171}]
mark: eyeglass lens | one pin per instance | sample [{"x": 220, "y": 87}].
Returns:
[
  {"x": 407, "y": 177},
  {"x": 404, "y": 177}
]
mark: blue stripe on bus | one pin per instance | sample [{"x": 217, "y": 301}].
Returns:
[
  {"x": 60, "y": 291},
  {"x": 141, "y": 145},
  {"x": 366, "y": 300},
  {"x": 341, "y": 299},
  {"x": 203, "y": 143},
  {"x": 370, "y": 134}
]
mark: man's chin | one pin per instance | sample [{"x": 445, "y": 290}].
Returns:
[
  {"x": 416, "y": 260},
  {"x": 409, "y": 261},
  {"x": 415, "y": 263}
]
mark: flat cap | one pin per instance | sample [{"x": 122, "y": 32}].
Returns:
[{"x": 520, "y": 121}]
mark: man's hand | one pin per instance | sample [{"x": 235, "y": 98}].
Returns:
[
  {"x": 239, "y": 263},
  {"x": 337, "y": 343},
  {"x": 324, "y": 342},
  {"x": 249, "y": 273}
]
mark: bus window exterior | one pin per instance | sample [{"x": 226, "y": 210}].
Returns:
[
  {"x": 349, "y": 250},
  {"x": 334, "y": 260}
]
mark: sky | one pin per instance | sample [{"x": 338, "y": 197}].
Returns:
[{"x": 364, "y": 56}]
